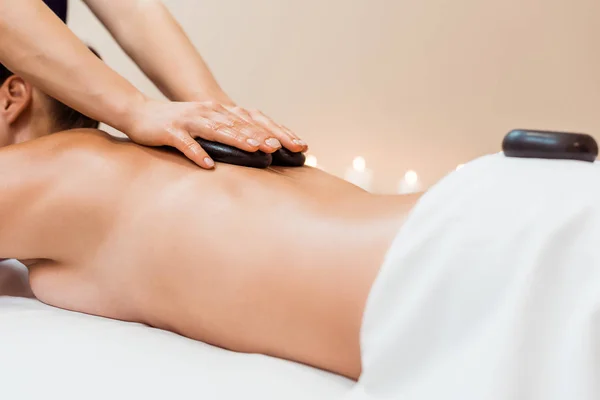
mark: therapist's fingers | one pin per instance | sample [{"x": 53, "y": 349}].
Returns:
[
  {"x": 216, "y": 122},
  {"x": 287, "y": 138},
  {"x": 232, "y": 129},
  {"x": 184, "y": 142},
  {"x": 268, "y": 140},
  {"x": 231, "y": 134},
  {"x": 270, "y": 128}
]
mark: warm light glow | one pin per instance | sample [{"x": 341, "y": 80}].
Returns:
[
  {"x": 311, "y": 161},
  {"x": 359, "y": 164},
  {"x": 460, "y": 166},
  {"x": 411, "y": 177}
]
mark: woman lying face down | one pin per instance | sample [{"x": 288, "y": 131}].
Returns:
[{"x": 277, "y": 261}]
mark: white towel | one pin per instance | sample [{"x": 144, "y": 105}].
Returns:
[
  {"x": 14, "y": 279},
  {"x": 491, "y": 289}
]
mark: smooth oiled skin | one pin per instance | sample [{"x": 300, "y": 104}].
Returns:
[{"x": 278, "y": 261}]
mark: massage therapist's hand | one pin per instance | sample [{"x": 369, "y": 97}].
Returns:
[{"x": 176, "y": 124}]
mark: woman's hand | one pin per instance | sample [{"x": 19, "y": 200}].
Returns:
[{"x": 176, "y": 124}]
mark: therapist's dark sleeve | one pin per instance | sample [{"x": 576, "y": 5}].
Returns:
[{"x": 59, "y": 7}]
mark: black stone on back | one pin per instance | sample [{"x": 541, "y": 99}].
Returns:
[
  {"x": 286, "y": 158},
  {"x": 230, "y": 155}
]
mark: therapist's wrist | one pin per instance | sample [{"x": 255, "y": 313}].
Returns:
[
  {"x": 217, "y": 96},
  {"x": 126, "y": 111}
]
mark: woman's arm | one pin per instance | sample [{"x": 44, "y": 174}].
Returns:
[{"x": 150, "y": 35}]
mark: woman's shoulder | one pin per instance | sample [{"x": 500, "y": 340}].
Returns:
[
  {"x": 79, "y": 137},
  {"x": 72, "y": 143}
]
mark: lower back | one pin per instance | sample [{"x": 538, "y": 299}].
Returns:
[{"x": 277, "y": 262}]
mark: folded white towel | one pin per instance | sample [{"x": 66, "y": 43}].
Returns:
[{"x": 491, "y": 289}]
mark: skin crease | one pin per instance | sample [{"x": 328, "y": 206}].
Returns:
[{"x": 278, "y": 262}]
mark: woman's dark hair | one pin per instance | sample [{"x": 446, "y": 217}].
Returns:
[{"x": 63, "y": 116}]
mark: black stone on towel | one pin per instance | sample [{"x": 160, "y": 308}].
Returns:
[{"x": 550, "y": 145}]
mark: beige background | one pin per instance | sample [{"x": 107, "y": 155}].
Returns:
[{"x": 421, "y": 84}]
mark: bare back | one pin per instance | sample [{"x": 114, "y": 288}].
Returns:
[{"x": 276, "y": 261}]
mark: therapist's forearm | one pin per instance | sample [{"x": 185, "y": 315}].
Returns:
[
  {"x": 150, "y": 35},
  {"x": 36, "y": 45}
]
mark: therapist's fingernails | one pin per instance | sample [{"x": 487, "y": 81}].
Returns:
[
  {"x": 209, "y": 162},
  {"x": 300, "y": 142},
  {"x": 253, "y": 142},
  {"x": 272, "y": 142}
]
